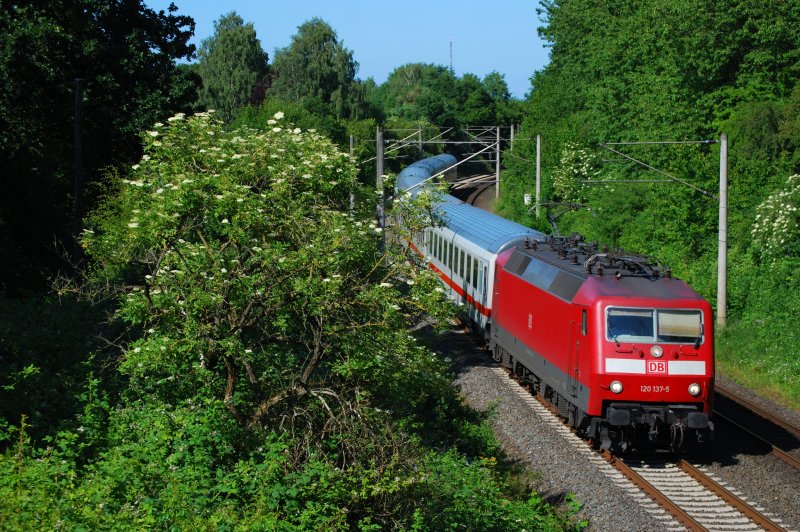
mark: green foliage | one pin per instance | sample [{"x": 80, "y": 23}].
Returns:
[
  {"x": 433, "y": 94},
  {"x": 309, "y": 113},
  {"x": 44, "y": 343},
  {"x": 231, "y": 63},
  {"x": 754, "y": 350},
  {"x": 124, "y": 53},
  {"x": 316, "y": 65}
]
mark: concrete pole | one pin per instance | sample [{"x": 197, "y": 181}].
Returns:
[
  {"x": 497, "y": 167},
  {"x": 511, "y": 142},
  {"x": 722, "y": 257},
  {"x": 538, "y": 174},
  {"x": 379, "y": 184},
  {"x": 420, "y": 153}
]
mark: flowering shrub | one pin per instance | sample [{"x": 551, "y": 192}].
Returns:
[
  {"x": 234, "y": 254},
  {"x": 576, "y": 165},
  {"x": 776, "y": 232}
]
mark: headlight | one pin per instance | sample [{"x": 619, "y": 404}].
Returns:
[
  {"x": 616, "y": 387},
  {"x": 656, "y": 351},
  {"x": 694, "y": 389}
]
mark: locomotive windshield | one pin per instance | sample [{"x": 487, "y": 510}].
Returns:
[{"x": 677, "y": 326}]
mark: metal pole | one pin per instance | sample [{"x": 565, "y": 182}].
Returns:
[
  {"x": 511, "y": 142},
  {"x": 722, "y": 257},
  {"x": 538, "y": 174},
  {"x": 379, "y": 185},
  {"x": 419, "y": 143},
  {"x": 497, "y": 167}
]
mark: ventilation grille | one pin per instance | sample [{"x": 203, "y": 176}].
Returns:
[{"x": 517, "y": 263}]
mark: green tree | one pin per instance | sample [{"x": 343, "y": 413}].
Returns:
[
  {"x": 476, "y": 106},
  {"x": 317, "y": 66},
  {"x": 125, "y": 54},
  {"x": 420, "y": 92},
  {"x": 507, "y": 110},
  {"x": 231, "y": 63}
]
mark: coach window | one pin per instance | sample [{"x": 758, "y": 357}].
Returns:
[
  {"x": 450, "y": 254},
  {"x": 437, "y": 246},
  {"x": 461, "y": 266},
  {"x": 475, "y": 270},
  {"x": 469, "y": 269}
]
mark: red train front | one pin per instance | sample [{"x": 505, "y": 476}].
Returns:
[{"x": 622, "y": 349}]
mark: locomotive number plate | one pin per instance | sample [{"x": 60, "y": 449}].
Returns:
[
  {"x": 654, "y": 389},
  {"x": 657, "y": 367}
]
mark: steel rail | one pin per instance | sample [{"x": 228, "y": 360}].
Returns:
[
  {"x": 782, "y": 423},
  {"x": 767, "y": 416},
  {"x": 751, "y": 513},
  {"x": 777, "y": 451},
  {"x": 659, "y": 498}
]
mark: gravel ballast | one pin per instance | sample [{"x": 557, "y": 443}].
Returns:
[{"x": 559, "y": 468}]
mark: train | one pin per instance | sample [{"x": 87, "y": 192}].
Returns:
[{"x": 623, "y": 350}]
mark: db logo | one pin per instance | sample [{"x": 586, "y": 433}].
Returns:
[
  {"x": 656, "y": 366},
  {"x": 530, "y": 321}
]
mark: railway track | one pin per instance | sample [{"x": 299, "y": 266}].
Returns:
[
  {"x": 681, "y": 495},
  {"x": 477, "y": 191},
  {"x": 779, "y": 435},
  {"x": 696, "y": 499}
]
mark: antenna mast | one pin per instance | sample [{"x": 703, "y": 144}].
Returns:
[{"x": 451, "y": 54}]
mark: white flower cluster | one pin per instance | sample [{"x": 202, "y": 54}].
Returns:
[
  {"x": 576, "y": 165},
  {"x": 776, "y": 231}
]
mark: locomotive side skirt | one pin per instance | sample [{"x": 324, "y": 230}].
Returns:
[{"x": 544, "y": 369}]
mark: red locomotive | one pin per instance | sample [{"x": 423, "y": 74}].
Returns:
[
  {"x": 619, "y": 347},
  {"x": 623, "y": 350}
]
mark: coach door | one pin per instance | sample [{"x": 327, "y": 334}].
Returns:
[{"x": 577, "y": 331}]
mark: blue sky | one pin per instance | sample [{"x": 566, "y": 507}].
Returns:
[{"x": 499, "y": 35}]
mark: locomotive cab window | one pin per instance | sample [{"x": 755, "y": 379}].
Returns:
[
  {"x": 675, "y": 326},
  {"x": 680, "y": 326}
]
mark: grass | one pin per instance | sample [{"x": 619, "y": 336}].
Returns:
[{"x": 763, "y": 356}]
